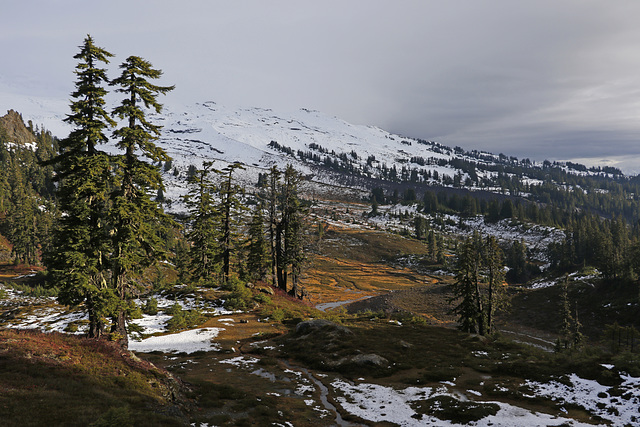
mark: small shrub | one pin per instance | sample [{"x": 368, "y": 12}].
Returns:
[
  {"x": 135, "y": 312},
  {"x": 240, "y": 298},
  {"x": 262, "y": 298},
  {"x": 448, "y": 408},
  {"x": 185, "y": 319},
  {"x": 150, "y": 307},
  {"x": 278, "y": 315},
  {"x": 174, "y": 310},
  {"x": 37, "y": 291},
  {"x": 135, "y": 330},
  {"x": 71, "y": 328}
]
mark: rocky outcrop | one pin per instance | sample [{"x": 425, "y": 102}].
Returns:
[
  {"x": 314, "y": 326},
  {"x": 15, "y": 128}
]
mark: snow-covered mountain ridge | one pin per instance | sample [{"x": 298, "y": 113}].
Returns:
[
  {"x": 332, "y": 151},
  {"x": 327, "y": 148}
]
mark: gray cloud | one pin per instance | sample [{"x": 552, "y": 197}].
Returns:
[{"x": 543, "y": 79}]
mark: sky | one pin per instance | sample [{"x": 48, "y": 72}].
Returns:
[{"x": 543, "y": 79}]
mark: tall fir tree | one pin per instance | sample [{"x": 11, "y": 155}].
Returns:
[
  {"x": 479, "y": 287},
  {"x": 257, "y": 260},
  {"x": 78, "y": 264},
  {"x": 203, "y": 230},
  {"x": 273, "y": 183},
  {"x": 137, "y": 220},
  {"x": 492, "y": 258},
  {"x": 230, "y": 208},
  {"x": 292, "y": 211},
  {"x": 465, "y": 287}
]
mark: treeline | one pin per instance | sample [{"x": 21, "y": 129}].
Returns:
[
  {"x": 567, "y": 186},
  {"x": 612, "y": 246},
  {"x": 468, "y": 205},
  {"x": 222, "y": 241},
  {"x": 26, "y": 188}
]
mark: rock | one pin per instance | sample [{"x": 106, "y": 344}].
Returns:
[
  {"x": 360, "y": 360},
  {"x": 315, "y": 325},
  {"x": 265, "y": 290},
  {"x": 369, "y": 359},
  {"x": 405, "y": 345}
]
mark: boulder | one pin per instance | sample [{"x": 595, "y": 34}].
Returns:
[
  {"x": 265, "y": 290},
  {"x": 360, "y": 361},
  {"x": 369, "y": 359},
  {"x": 316, "y": 325}
]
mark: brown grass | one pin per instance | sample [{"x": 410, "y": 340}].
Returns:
[
  {"x": 351, "y": 264},
  {"x": 75, "y": 381}
]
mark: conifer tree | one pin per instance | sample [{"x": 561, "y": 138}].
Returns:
[
  {"x": 230, "y": 207},
  {"x": 493, "y": 262},
  {"x": 78, "y": 263},
  {"x": 274, "y": 238},
  {"x": 203, "y": 229},
  {"x": 464, "y": 288},
  {"x": 566, "y": 328},
  {"x": 257, "y": 262},
  {"x": 293, "y": 254},
  {"x": 136, "y": 219},
  {"x": 479, "y": 286},
  {"x": 22, "y": 228},
  {"x": 285, "y": 220}
]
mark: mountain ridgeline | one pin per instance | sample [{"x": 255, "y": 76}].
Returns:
[{"x": 590, "y": 204}]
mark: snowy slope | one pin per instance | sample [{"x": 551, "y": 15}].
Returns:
[
  {"x": 260, "y": 138},
  {"x": 209, "y": 130}
]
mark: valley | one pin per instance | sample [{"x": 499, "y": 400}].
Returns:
[
  {"x": 393, "y": 356},
  {"x": 387, "y": 230}
]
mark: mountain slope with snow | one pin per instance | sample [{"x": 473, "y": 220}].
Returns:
[{"x": 324, "y": 147}]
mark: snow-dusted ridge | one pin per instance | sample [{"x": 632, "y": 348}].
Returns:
[{"x": 317, "y": 144}]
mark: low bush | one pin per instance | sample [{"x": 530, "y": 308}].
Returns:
[
  {"x": 150, "y": 307},
  {"x": 184, "y": 319}
]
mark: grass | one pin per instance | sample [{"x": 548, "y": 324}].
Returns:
[
  {"x": 113, "y": 389},
  {"x": 351, "y": 264},
  {"x": 76, "y": 382}
]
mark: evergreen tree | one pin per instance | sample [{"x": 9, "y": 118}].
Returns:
[
  {"x": 137, "y": 220},
  {"x": 479, "y": 286},
  {"x": 257, "y": 261},
  {"x": 78, "y": 264},
  {"x": 22, "y": 229},
  {"x": 292, "y": 210},
  {"x": 230, "y": 207},
  {"x": 285, "y": 228},
  {"x": 465, "y": 285},
  {"x": 493, "y": 263},
  {"x": 517, "y": 262},
  {"x": 420, "y": 226},
  {"x": 274, "y": 238},
  {"x": 203, "y": 228},
  {"x": 566, "y": 328}
]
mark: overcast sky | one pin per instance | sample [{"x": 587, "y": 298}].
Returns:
[{"x": 539, "y": 79}]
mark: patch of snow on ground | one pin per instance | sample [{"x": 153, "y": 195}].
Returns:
[
  {"x": 183, "y": 342},
  {"x": 152, "y": 324},
  {"x": 241, "y": 361},
  {"x": 596, "y": 398},
  {"x": 378, "y": 403}
]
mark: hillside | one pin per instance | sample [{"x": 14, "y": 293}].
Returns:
[{"x": 384, "y": 220}]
